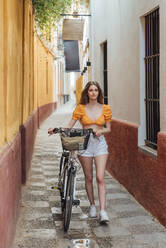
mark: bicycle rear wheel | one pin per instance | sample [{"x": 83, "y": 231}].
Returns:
[{"x": 68, "y": 201}]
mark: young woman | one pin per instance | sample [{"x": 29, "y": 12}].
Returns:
[{"x": 92, "y": 113}]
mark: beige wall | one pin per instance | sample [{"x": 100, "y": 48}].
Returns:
[{"x": 120, "y": 23}]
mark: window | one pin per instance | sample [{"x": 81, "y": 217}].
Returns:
[
  {"x": 105, "y": 73},
  {"x": 152, "y": 98}
]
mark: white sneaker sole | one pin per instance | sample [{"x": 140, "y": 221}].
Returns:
[
  {"x": 104, "y": 221},
  {"x": 92, "y": 217}
]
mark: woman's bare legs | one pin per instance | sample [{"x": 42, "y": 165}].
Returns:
[
  {"x": 87, "y": 163},
  {"x": 100, "y": 163}
]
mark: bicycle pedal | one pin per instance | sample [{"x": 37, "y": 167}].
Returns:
[
  {"x": 54, "y": 187},
  {"x": 76, "y": 202}
]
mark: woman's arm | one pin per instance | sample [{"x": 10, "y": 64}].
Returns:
[
  {"x": 71, "y": 123},
  {"x": 107, "y": 129},
  {"x": 104, "y": 130}
]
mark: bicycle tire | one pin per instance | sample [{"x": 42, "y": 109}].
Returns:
[
  {"x": 60, "y": 173},
  {"x": 61, "y": 165},
  {"x": 68, "y": 201},
  {"x": 60, "y": 183},
  {"x": 64, "y": 186}
]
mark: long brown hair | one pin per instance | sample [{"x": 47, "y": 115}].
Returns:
[{"x": 84, "y": 95}]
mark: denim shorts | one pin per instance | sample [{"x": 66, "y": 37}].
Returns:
[{"x": 96, "y": 146}]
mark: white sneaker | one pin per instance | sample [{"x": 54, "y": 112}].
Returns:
[
  {"x": 103, "y": 217},
  {"x": 92, "y": 211}
]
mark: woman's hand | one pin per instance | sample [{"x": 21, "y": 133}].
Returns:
[
  {"x": 50, "y": 131},
  {"x": 98, "y": 132},
  {"x": 101, "y": 131}
]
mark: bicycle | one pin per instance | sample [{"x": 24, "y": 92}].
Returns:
[{"x": 68, "y": 168}]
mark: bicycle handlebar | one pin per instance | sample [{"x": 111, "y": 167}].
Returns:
[{"x": 73, "y": 130}]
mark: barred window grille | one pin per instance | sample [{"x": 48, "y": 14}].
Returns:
[
  {"x": 152, "y": 97},
  {"x": 105, "y": 73}
]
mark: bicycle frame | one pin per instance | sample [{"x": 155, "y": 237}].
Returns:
[{"x": 70, "y": 167}]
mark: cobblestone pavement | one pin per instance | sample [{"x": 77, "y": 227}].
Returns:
[{"x": 40, "y": 222}]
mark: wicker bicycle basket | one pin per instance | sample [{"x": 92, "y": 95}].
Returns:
[{"x": 75, "y": 140}]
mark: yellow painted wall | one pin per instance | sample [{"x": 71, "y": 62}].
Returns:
[
  {"x": 89, "y": 73},
  {"x": 27, "y": 97},
  {"x": 50, "y": 77},
  {"x": 36, "y": 71},
  {"x": 44, "y": 61},
  {"x": 13, "y": 65},
  {"x": 2, "y": 100},
  {"x": 26, "y": 68},
  {"x": 79, "y": 86}
]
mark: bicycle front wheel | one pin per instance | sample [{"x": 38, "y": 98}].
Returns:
[
  {"x": 68, "y": 201},
  {"x": 64, "y": 187}
]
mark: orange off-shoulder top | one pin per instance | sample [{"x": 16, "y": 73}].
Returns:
[{"x": 80, "y": 114}]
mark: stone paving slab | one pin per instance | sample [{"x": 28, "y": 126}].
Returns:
[
  {"x": 41, "y": 234},
  {"x": 41, "y": 225}
]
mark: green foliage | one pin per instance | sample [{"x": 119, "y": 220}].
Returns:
[{"x": 47, "y": 12}]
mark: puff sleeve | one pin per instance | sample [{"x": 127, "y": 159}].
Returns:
[
  {"x": 107, "y": 113},
  {"x": 77, "y": 113}
]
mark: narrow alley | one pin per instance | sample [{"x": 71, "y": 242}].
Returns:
[
  {"x": 40, "y": 221},
  {"x": 110, "y": 57}
]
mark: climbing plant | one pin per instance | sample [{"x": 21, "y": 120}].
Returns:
[{"x": 48, "y": 12}]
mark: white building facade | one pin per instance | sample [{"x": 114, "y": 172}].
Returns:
[{"x": 128, "y": 55}]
